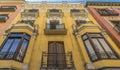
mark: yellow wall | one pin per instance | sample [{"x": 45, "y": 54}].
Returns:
[{"x": 40, "y": 43}]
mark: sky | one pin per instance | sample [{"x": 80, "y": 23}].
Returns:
[{"x": 74, "y": 0}]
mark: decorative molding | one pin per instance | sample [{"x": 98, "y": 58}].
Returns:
[
  {"x": 25, "y": 66},
  {"x": 89, "y": 66}
]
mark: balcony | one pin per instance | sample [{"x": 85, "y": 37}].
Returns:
[
  {"x": 23, "y": 27},
  {"x": 58, "y": 29},
  {"x": 31, "y": 14},
  {"x": 77, "y": 13},
  {"x": 7, "y": 8},
  {"x": 3, "y": 17},
  {"x": 59, "y": 63},
  {"x": 80, "y": 22},
  {"x": 54, "y": 13}
]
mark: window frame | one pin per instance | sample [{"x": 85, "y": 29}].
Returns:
[
  {"x": 92, "y": 44},
  {"x": 14, "y": 57}
]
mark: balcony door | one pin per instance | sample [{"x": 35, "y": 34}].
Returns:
[
  {"x": 53, "y": 24},
  {"x": 56, "y": 55}
]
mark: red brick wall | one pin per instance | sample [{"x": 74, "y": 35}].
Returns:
[
  {"x": 105, "y": 25},
  {"x": 4, "y": 26}
]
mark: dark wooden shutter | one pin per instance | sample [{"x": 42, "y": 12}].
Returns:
[{"x": 56, "y": 55}]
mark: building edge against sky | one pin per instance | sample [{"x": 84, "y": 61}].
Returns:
[{"x": 59, "y": 36}]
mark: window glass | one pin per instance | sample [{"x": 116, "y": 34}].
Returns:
[
  {"x": 107, "y": 48},
  {"x": 27, "y": 37},
  {"x": 97, "y": 47},
  {"x": 24, "y": 44},
  {"x": 7, "y": 45},
  {"x": 15, "y": 46},
  {"x": 16, "y": 35},
  {"x": 90, "y": 50},
  {"x": 94, "y": 35},
  {"x": 85, "y": 37}
]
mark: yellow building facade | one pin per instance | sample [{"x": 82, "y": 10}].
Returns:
[{"x": 57, "y": 36}]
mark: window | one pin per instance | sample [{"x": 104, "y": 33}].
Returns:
[
  {"x": 33, "y": 10},
  {"x": 7, "y": 8},
  {"x": 15, "y": 46},
  {"x": 54, "y": 10},
  {"x": 56, "y": 55},
  {"x": 107, "y": 12},
  {"x": 97, "y": 47},
  {"x": 3, "y": 17},
  {"x": 116, "y": 25},
  {"x": 30, "y": 22},
  {"x": 74, "y": 10},
  {"x": 55, "y": 24},
  {"x": 11, "y": 7},
  {"x": 79, "y": 22}
]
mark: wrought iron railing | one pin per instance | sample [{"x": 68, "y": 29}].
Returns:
[
  {"x": 58, "y": 61},
  {"x": 18, "y": 56},
  {"x": 102, "y": 55},
  {"x": 55, "y": 26},
  {"x": 52, "y": 14},
  {"x": 29, "y": 14}
]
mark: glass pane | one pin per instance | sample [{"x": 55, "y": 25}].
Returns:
[
  {"x": 48, "y": 26},
  {"x": 107, "y": 48},
  {"x": 22, "y": 50},
  {"x": 27, "y": 37},
  {"x": 84, "y": 37},
  {"x": 7, "y": 45},
  {"x": 90, "y": 50},
  {"x": 24, "y": 45},
  {"x": 99, "y": 49},
  {"x": 59, "y": 26},
  {"x": 95, "y": 35},
  {"x": 5, "y": 48},
  {"x": 16, "y": 35},
  {"x": 13, "y": 48}
]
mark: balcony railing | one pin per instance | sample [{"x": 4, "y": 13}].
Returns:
[
  {"x": 18, "y": 56},
  {"x": 60, "y": 64},
  {"x": 78, "y": 13},
  {"x": 104, "y": 56},
  {"x": 80, "y": 22},
  {"x": 29, "y": 14},
  {"x": 55, "y": 29},
  {"x": 7, "y": 8},
  {"x": 56, "y": 14},
  {"x": 3, "y": 17}
]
